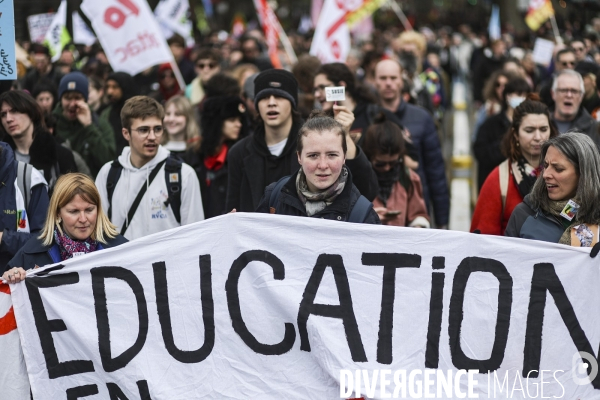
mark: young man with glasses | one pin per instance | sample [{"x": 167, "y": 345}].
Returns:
[
  {"x": 207, "y": 65},
  {"x": 567, "y": 92},
  {"x": 137, "y": 189}
]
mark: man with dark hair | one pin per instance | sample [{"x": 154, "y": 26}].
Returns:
[
  {"x": 87, "y": 134},
  {"x": 252, "y": 53},
  {"x": 119, "y": 88},
  {"x": 42, "y": 68},
  {"x": 186, "y": 67},
  {"x": 23, "y": 129},
  {"x": 138, "y": 188},
  {"x": 270, "y": 154},
  {"x": 208, "y": 63},
  {"x": 420, "y": 125}
]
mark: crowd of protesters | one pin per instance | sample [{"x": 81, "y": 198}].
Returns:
[{"x": 164, "y": 154}]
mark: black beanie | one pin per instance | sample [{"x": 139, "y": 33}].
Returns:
[
  {"x": 218, "y": 109},
  {"x": 277, "y": 82}
]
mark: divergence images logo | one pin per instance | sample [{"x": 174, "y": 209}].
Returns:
[{"x": 585, "y": 368}]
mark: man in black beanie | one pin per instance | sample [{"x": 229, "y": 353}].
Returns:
[{"x": 270, "y": 154}]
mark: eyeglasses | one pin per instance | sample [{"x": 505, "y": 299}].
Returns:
[
  {"x": 500, "y": 84},
  {"x": 206, "y": 65},
  {"x": 579, "y": 49},
  {"x": 574, "y": 92},
  {"x": 144, "y": 131},
  {"x": 383, "y": 164},
  {"x": 568, "y": 63}
]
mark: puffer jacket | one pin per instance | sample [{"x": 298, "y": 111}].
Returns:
[
  {"x": 527, "y": 223},
  {"x": 288, "y": 202}
]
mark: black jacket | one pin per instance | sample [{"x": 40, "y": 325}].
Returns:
[
  {"x": 214, "y": 194},
  {"x": 488, "y": 143},
  {"x": 48, "y": 156},
  {"x": 113, "y": 112},
  {"x": 34, "y": 253},
  {"x": 288, "y": 202},
  {"x": 252, "y": 168},
  {"x": 527, "y": 223}
]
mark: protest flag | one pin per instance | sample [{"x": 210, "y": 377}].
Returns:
[
  {"x": 172, "y": 15},
  {"x": 273, "y": 33},
  {"x": 539, "y": 11},
  {"x": 57, "y": 35},
  {"x": 494, "y": 26}
]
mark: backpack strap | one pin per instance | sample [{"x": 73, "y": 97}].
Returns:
[
  {"x": 24, "y": 172},
  {"x": 361, "y": 210},
  {"x": 276, "y": 192},
  {"x": 504, "y": 176},
  {"x": 111, "y": 182},
  {"x": 138, "y": 198},
  {"x": 173, "y": 180}
]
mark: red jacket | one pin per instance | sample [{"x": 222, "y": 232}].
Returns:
[
  {"x": 411, "y": 206},
  {"x": 488, "y": 216}
]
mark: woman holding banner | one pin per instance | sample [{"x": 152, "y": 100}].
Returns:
[
  {"x": 512, "y": 180},
  {"x": 563, "y": 204},
  {"x": 322, "y": 187},
  {"x": 75, "y": 225}
]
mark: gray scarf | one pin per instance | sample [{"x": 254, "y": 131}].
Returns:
[{"x": 317, "y": 201}]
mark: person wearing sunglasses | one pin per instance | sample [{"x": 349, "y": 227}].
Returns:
[
  {"x": 568, "y": 114},
  {"x": 399, "y": 201},
  {"x": 564, "y": 59},
  {"x": 137, "y": 189},
  {"x": 207, "y": 65}
]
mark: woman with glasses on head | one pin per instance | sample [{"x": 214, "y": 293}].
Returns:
[
  {"x": 400, "y": 198},
  {"x": 75, "y": 225},
  {"x": 492, "y": 94},
  {"x": 563, "y": 204},
  {"x": 512, "y": 180},
  {"x": 487, "y": 147}
]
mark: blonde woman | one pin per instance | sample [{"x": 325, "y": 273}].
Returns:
[
  {"x": 75, "y": 225},
  {"x": 180, "y": 125}
]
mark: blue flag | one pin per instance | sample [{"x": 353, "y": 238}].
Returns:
[{"x": 8, "y": 59}]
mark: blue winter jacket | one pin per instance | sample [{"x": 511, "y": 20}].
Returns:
[
  {"x": 431, "y": 170},
  {"x": 12, "y": 240}
]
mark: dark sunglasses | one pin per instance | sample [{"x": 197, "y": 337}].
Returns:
[
  {"x": 383, "y": 164},
  {"x": 203, "y": 65},
  {"x": 567, "y": 63},
  {"x": 499, "y": 84}
]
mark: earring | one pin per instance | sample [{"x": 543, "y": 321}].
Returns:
[
  {"x": 518, "y": 144},
  {"x": 58, "y": 220}
]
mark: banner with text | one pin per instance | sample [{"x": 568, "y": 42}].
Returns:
[
  {"x": 8, "y": 59},
  {"x": 247, "y": 306},
  {"x": 128, "y": 33}
]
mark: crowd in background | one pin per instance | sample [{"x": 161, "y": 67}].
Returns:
[{"x": 398, "y": 91}]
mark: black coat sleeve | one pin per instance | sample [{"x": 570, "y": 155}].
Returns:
[
  {"x": 235, "y": 174},
  {"x": 363, "y": 176}
]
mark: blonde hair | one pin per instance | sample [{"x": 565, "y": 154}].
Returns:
[
  {"x": 413, "y": 37},
  {"x": 183, "y": 106},
  {"x": 67, "y": 187}
]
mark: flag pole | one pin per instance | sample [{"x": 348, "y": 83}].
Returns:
[
  {"x": 401, "y": 16},
  {"x": 178, "y": 75},
  {"x": 559, "y": 40}
]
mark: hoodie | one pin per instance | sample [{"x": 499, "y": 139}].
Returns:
[
  {"x": 152, "y": 215},
  {"x": 112, "y": 114}
]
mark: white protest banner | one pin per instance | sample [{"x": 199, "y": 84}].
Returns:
[
  {"x": 82, "y": 34},
  {"x": 38, "y": 26},
  {"x": 128, "y": 33},
  {"x": 14, "y": 384},
  {"x": 255, "y": 306},
  {"x": 543, "y": 50},
  {"x": 172, "y": 15},
  {"x": 8, "y": 58},
  {"x": 57, "y": 35}
]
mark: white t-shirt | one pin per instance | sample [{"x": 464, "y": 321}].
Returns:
[{"x": 277, "y": 148}]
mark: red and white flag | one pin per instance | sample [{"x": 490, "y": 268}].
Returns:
[
  {"x": 14, "y": 383},
  {"x": 331, "y": 41},
  {"x": 129, "y": 34},
  {"x": 273, "y": 33}
]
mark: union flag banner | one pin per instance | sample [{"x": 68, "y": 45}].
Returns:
[
  {"x": 273, "y": 33},
  {"x": 538, "y": 13}
]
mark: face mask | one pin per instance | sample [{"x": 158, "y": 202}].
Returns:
[{"x": 514, "y": 102}]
